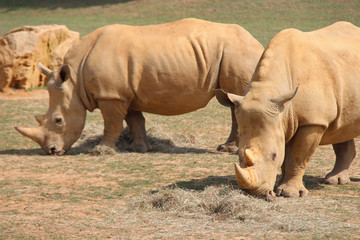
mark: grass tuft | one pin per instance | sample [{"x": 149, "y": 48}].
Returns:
[
  {"x": 224, "y": 204},
  {"x": 221, "y": 202}
]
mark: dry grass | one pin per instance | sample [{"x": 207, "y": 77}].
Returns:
[
  {"x": 230, "y": 210},
  {"x": 183, "y": 189}
]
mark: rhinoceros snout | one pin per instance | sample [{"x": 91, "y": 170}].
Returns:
[
  {"x": 54, "y": 150},
  {"x": 270, "y": 196}
]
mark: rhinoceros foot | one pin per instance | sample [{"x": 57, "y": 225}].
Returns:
[
  {"x": 103, "y": 150},
  {"x": 337, "y": 178},
  {"x": 229, "y": 147},
  {"x": 292, "y": 190},
  {"x": 140, "y": 147}
]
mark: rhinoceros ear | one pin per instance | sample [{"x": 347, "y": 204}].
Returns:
[
  {"x": 64, "y": 73},
  {"x": 281, "y": 100},
  {"x": 235, "y": 99},
  {"x": 40, "y": 118},
  {"x": 222, "y": 97},
  {"x": 227, "y": 99}
]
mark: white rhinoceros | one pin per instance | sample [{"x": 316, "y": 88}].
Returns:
[
  {"x": 280, "y": 126},
  {"x": 165, "y": 69}
]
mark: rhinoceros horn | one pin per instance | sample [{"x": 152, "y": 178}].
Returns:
[
  {"x": 249, "y": 157},
  {"x": 34, "y": 134},
  {"x": 246, "y": 177},
  {"x": 44, "y": 70}
]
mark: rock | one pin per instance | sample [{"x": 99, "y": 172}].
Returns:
[{"x": 22, "y": 48}]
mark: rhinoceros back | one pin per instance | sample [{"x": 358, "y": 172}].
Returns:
[{"x": 164, "y": 69}]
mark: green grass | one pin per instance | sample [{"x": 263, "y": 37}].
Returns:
[
  {"x": 86, "y": 196},
  {"x": 261, "y": 18}
]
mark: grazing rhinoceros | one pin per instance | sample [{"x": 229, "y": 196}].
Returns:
[
  {"x": 165, "y": 69},
  {"x": 280, "y": 126}
]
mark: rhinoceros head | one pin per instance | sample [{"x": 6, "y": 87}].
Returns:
[
  {"x": 62, "y": 124},
  {"x": 261, "y": 140}
]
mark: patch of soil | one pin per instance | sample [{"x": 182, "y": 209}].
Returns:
[{"x": 15, "y": 94}]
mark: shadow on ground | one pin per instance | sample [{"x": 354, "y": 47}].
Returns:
[
  {"x": 23, "y": 152},
  {"x": 311, "y": 182},
  {"x": 66, "y": 4},
  {"x": 90, "y": 140},
  {"x": 87, "y": 144},
  {"x": 202, "y": 183},
  {"x": 355, "y": 179}
]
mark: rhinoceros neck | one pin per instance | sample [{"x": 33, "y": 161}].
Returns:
[
  {"x": 88, "y": 101},
  {"x": 79, "y": 85},
  {"x": 273, "y": 78},
  {"x": 290, "y": 122},
  {"x": 76, "y": 57}
]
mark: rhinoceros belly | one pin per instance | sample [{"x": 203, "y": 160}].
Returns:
[
  {"x": 341, "y": 133},
  {"x": 172, "y": 103}
]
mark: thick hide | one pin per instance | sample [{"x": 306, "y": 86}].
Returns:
[
  {"x": 165, "y": 69},
  {"x": 304, "y": 93}
]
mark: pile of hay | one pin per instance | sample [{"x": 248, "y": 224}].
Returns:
[
  {"x": 232, "y": 208},
  {"x": 219, "y": 202}
]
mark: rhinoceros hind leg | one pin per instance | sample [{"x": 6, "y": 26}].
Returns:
[
  {"x": 113, "y": 112},
  {"x": 136, "y": 122},
  {"x": 345, "y": 153},
  {"x": 231, "y": 144}
]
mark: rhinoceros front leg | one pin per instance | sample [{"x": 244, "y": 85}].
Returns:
[
  {"x": 297, "y": 155},
  {"x": 231, "y": 144},
  {"x": 113, "y": 112},
  {"x": 345, "y": 153},
  {"x": 136, "y": 122}
]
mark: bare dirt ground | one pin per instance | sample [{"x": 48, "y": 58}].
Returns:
[{"x": 9, "y": 94}]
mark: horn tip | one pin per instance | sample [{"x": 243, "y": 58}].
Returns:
[{"x": 19, "y": 129}]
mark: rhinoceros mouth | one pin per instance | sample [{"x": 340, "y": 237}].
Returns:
[{"x": 53, "y": 149}]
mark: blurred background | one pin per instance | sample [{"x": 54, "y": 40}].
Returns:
[{"x": 262, "y": 18}]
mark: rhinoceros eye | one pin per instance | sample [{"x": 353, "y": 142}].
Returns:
[
  {"x": 273, "y": 156},
  {"x": 58, "y": 120}
]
